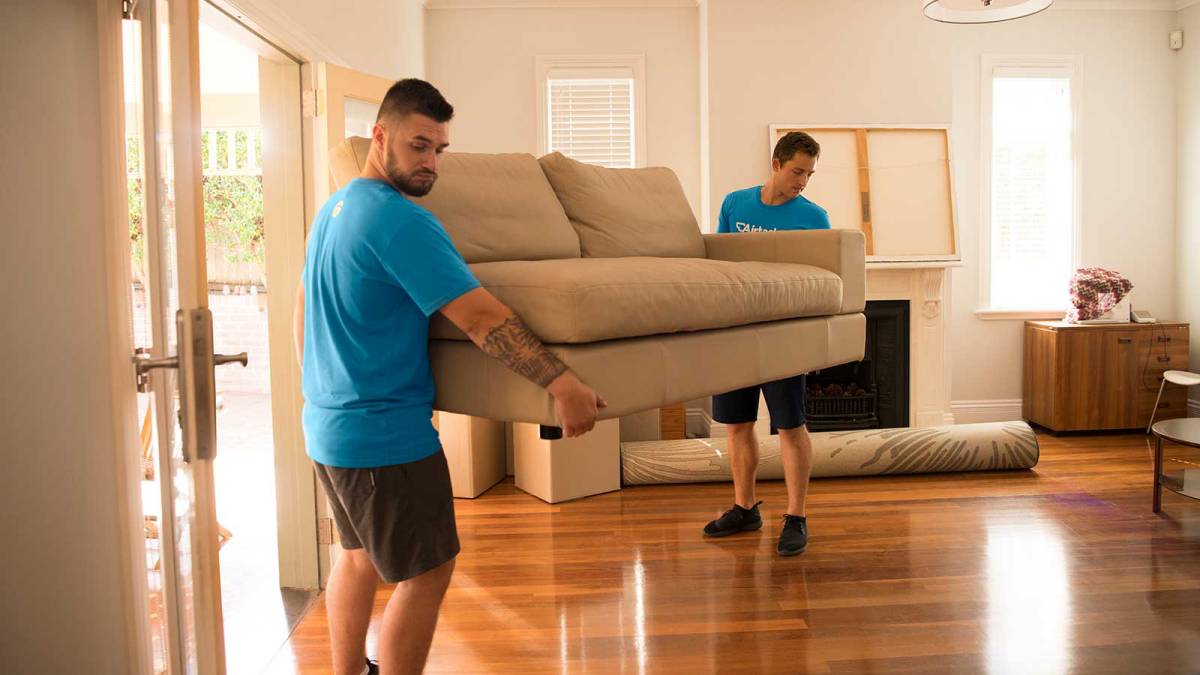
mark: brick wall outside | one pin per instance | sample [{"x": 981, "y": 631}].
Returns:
[{"x": 239, "y": 324}]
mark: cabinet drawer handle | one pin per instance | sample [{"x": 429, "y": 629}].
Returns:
[
  {"x": 1163, "y": 338},
  {"x": 1124, "y": 341},
  {"x": 1164, "y": 359}
]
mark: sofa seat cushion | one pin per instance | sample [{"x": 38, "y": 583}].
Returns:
[{"x": 594, "y": 299}]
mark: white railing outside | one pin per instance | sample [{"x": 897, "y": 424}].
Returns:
[{"x": 221, "y": 154}]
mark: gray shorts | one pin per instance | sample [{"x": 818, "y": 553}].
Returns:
[{"x": 403, "y": 514}]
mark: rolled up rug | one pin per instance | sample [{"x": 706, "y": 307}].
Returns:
[{"x": 962, "y": 447}]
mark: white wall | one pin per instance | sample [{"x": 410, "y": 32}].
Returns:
[
  {"x": 62, "y": 605},
  {"x": 862, "y": 61},
  {"x": 1128, "y": 172},
  {"x": 483, "y": 61},
  {"x": 379, "y": 37},
  {"x": 1187, "y": 79},
  {"x": 815, "y": 62},
  {"x": 868, "y": 61}
]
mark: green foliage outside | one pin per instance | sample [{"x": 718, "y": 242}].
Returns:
[
  {"x": 233, "y": 217},
  {"x": 233, "y": 206}
]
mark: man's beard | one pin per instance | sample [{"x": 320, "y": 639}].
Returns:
[{"x": 416, "y": 184}]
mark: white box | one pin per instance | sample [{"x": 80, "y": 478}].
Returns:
[{"x": 1118, "y": 314}]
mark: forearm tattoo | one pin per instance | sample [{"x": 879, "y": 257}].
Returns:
[{"x": 513, "y": 344}]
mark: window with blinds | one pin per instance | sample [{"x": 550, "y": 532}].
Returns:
[
  {"x": 592, "y": 118},
  {"x": 1032, "y": 209}
]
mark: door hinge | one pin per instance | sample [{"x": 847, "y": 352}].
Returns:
[
  {"x": 127, "y": 7},
  {"x": 325, "y": 531},
  {"x": 308, "y": 103}
]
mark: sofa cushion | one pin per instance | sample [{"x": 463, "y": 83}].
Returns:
[
  {"x": 625, "y": 212},
  {"x": 594, "y": 299},
  {"x": 494, "y": 207},
  {"x": 648, "y": 372}
]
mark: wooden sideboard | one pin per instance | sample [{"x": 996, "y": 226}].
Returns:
[{"x": 1101, "y": 376}]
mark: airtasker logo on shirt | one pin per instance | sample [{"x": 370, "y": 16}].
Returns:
[
  {"x": 337, "y": 208},
  {"x": 747, "y": 227}
]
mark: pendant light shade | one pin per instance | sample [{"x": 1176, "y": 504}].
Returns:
[{"x": 981, "y": 11}]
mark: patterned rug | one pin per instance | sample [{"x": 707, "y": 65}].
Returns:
[{"x": 960, "y": 447}]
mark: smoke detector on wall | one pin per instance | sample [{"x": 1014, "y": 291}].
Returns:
[{"x": 981, "y": 11}]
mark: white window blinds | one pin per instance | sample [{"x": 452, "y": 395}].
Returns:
[
  {"x": 1032, "y": 189},
  {"x": 591, "y": 119}
]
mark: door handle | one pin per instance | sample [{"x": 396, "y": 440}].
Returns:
[
  {"x": 143, "y": 364},
  {"x": 195, "y": 362},
  {"x": 222, "y": 359}
]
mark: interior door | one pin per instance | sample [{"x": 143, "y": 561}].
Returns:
[
  {"x": 176, "y": 366},
  {"x": 347, "y": 102}
]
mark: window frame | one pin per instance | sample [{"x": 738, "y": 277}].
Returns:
[
  {"x": 603, "y": 65},
  {"x": 1039, "y": 66}
]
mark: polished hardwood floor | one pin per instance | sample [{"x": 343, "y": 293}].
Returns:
[{"x": 1061, "y": 569}]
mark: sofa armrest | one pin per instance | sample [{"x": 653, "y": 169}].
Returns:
[{"x": 842, "y": 252}]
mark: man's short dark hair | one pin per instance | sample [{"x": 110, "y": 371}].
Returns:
[
  {"x": 415, "y": 96},
  {"x": 794, "y": 143}
]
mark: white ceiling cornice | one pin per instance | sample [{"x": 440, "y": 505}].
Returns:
[
  {"x": 556, "y": 4},
  {"x": 1113, "y": 5},
  {"x": 1122, "y": 5}
]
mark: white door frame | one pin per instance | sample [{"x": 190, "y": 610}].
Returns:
[
  {"x": 131, "y": 544},
  {"x": 296, "y": 477},
  {"x": 287, "y": 196}
]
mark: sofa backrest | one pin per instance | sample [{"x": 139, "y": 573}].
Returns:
[
  {"x": 494, "y": 207},
  {"x": 621, "y": 213}
]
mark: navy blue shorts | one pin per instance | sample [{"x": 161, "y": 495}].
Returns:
[{"x": 785, "y": 401}]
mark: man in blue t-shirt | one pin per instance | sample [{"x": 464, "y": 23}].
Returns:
[
  {"x": 377, "y": 266},
  {"x": 775, "y": 205}
]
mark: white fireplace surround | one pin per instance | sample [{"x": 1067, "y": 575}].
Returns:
[{"x": 923, "y": 285}]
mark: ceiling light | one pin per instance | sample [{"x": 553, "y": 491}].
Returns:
[{"x": 981, "y": 11}]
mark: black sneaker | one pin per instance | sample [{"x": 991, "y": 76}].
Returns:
[
  {"x": 733, "y": 521},
  {"x": 794, "y": 537},
  {"x": 372, "y": 667}
]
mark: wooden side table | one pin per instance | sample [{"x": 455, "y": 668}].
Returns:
[
  {"x": 1184, "y": 431},
  {"x": 1080, "y": 377}
]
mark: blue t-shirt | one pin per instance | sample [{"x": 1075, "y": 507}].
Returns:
[
  {"x": 743, "y": 211},
  {"x": 377, "y": 266}
]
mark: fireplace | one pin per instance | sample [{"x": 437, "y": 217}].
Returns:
[
  {"x": 912, "y": 391},
  {"x": 874, "y": 392}
]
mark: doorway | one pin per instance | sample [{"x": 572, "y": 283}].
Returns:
[{"x": 251, "y": 167}]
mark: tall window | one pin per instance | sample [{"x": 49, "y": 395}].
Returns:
[
  {"x": 591, "y": 109},
  {"x": 1031, "y": 209}
]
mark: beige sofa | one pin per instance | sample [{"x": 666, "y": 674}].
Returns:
[{"x": 610, "y": 269}]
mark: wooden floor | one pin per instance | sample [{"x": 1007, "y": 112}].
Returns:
[{"x": 1055, "y": 570}]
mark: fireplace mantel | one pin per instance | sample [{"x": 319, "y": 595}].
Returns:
[{"x": 923, "y": 285}]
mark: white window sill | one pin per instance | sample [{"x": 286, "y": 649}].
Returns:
[{"x": 1019, "y": 314}]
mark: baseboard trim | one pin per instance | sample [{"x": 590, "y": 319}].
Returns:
[
  {"x": 994, "y": 410},
  {"x": 699, "y": 424}
]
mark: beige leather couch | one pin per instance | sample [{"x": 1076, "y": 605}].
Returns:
[{"x": 609, "y": 268}]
